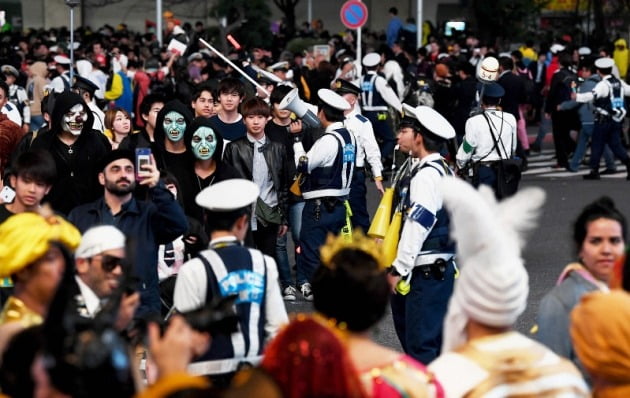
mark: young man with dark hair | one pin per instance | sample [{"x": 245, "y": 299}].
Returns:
[
  {"x": 33, "y": 174},
  {"x": 149, "y": 109},
  {"x": 203, "y": 101},
  {"x": 229, "y": 121},
  {"x": 264, "y": 162}
]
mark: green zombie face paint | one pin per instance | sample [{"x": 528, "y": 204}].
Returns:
[
  {"x": 204, "y": 143},
  {"x": 174, "y": 126}
]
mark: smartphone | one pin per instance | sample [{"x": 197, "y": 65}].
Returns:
[
  {"x": 143, "y": 157},
  {"x": 7, "y": 194}
]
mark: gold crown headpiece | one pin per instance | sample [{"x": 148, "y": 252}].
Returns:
[{"x": 359, "y": 241}]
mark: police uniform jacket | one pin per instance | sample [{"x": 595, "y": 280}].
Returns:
[
  {"x": 602, "y": 90},
  {"x": 478, "y": 144},
  {"x": 425, "y": 213},
  {"x": 336, "y": 149},
  {"x": 377, "y": 94},
  {"x": 367, "y": 147},
  {"x": 225, "y": 269}
]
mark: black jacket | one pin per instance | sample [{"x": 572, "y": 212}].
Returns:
[
  {"x": 240, "y": 155},
  {"x": 514, "y": 93},
  {"x": 77, "y": 181}
]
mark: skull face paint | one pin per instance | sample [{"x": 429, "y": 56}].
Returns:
[
  {"x": 73, "y": 119},
  {"x": 174, "y": 126},
  {"x": 204, "y": 143}
]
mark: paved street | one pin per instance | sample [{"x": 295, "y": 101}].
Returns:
[{"x": 549, "y": 248}]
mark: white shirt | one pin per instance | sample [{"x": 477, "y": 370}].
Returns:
[
  {"x": 99, "y": 117},
  {"x": 191, "y": 287},
  {"x": 384, "y": 89},
  {"x": 323, "y": 152},
  {"x": 478, "y": 141},
  {"x": 92, "y": 302},
  {"x": 425, "y": 197},
  {"x": 12, "y": 113},
  {"x": 367, "y": 147}
]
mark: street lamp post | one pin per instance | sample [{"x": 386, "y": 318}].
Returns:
[{"x": 72, "y": 4}]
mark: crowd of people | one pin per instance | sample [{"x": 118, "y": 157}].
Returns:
[{"x": 148, "y": 195}]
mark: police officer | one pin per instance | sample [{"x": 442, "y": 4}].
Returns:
[
  {"x": 229, "y": 268},
  {"x": 328, "y": 167},
  {"x": 17, "y": 95},
  {"x": 490, "y": 136},
  {"x": 86, "y": 89},
  {"x": 608, "y": 100},
  {"x": 375, "y": 97},
  {"x": 423, "y": 271},
  {"x": 367, "y": 150}
]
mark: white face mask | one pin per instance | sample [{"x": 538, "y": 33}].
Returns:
[{"x": 73, "y": 120}]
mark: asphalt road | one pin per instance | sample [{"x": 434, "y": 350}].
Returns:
[{"x": 549, "y": 247}]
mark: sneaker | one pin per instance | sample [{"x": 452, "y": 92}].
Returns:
[
  {"x": 289, "y": 293},
  {"x": 593, "y": 175},
  {"x": 306, "y": 291},
  {"x": 609, "y": 172}
]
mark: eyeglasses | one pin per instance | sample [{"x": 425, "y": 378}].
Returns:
[{"x": 109, "y": 263}]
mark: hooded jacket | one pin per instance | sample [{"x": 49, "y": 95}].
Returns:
[
  {"x": 159, "y": 135},
  {"x": 192, "y": 184},
  {"x": 77, "y": 181}
]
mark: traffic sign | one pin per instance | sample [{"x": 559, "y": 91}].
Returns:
[{"x": 354, "y": 14}]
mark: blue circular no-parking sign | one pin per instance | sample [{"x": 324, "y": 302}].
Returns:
[{"x": 354, "y": 14}]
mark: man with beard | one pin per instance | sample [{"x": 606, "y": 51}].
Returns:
[
  {"x": 157, "y": 221},
  {"x": 76, "y": 148}
]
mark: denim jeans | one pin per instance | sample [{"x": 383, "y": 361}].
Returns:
[
  {"x": 582, "y": 143},
  {"x": 282, "y": 256}
]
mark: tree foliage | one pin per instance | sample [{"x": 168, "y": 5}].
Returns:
[
  {"x": 505, "y": 19},
  {"x": 288, "y": 9},
  {"x": 246, "y": 20}
]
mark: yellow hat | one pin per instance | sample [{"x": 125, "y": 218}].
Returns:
[{"x": 26, "y": 237}]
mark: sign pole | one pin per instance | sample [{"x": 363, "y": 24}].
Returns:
[
  {"x": 419, "y": 25},
  {"x": 359, "y": 55}
]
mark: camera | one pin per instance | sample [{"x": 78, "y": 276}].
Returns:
[{"x": 217, "y": 318}]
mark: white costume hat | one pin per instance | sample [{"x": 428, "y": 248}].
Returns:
[
  {"x": 98, "y": 239},
  {"x": 228, "y": 195},
  {"x": 493, "y": 285}
]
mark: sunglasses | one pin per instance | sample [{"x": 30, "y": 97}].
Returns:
[{"x": 109, "y": 263}]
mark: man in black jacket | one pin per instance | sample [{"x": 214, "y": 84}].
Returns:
[
  {"x": 263, "y": 161},
  {"x": 562, "y": 121},
  {"x": 149, "y": 224}
]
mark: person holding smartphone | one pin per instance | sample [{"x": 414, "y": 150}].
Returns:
[{"x": 156, "y": 221}]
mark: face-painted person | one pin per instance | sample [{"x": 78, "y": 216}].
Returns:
[{"x": 204, "y": 141}]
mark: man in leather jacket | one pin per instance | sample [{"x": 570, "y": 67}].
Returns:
[{"x": 264, "y": 162}]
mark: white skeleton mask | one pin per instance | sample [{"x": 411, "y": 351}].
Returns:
[{"x": 73, "y": 119}]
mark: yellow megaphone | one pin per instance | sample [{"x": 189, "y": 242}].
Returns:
[
  {"x": 380, "y": 223},
  {"x": 390, "y": 241}
]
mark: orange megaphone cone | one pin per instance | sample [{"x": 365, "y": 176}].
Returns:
[
  {"x": 295, "y": 187},
  {"x": 380, "y": 223},
  {"x": 390, "y": 242}
]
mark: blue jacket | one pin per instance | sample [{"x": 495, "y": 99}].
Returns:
[{"x": 146, "y": 225}]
